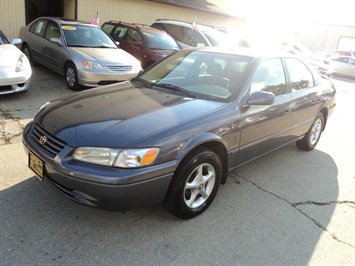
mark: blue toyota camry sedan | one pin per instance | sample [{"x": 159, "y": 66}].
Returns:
[{"x": 171, "y": 134}]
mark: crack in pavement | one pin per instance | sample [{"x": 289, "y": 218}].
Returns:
[{"x": 295, "y": 205}]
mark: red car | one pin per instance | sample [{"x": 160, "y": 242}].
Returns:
[{"x": 147, "y": 44}]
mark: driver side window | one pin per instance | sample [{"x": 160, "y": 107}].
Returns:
[{"x": 270, "y": 76}]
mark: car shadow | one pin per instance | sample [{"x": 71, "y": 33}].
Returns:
[{"x": 257, "y": 217}]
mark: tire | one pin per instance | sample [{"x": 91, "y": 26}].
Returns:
[
  {"x": 71, "y": 77},
  {"x": 194, "y": 184},
  {"x": 310, "y": 140},
  {"x": 26, "y": 50}
]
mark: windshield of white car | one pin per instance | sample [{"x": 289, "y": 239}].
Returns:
[
  {"x": 87, "y": 36},
  {"x": 208, "y": 75},
  {"x": 3, "y": 39}
]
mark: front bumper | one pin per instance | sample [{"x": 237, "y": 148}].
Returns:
[
  {"x": 15, "y": 84},
  {"x": 102, "y": 187},
  {"x": 92, "y": 79}
]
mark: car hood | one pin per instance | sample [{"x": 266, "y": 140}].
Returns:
[
  {"x": 106, "y": 56},
  {"x": 118, "y": 115},
  {"x": 9, "y": 55}
]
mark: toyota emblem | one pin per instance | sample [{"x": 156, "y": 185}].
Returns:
[{"x": 43, "y": 140}]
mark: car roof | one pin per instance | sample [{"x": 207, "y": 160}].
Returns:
[
  {"x": 68, "y": 21},
  {"x": 184, "y": 24},
  {"x": 138, "y": 26}
]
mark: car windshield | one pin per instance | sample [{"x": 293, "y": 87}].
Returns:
[
  {"x": 215, "y": 37},
  {"x": 3, "y": 39},
  {"x": 160, "y": 41},
  {"x": 87, "y": 36},
  {"x": 207, "y": 75}
]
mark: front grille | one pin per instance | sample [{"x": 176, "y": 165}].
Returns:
[
  {"x": 52, "y": 146},
  {"x": 5, "y": 88},
  {"x": 120, "y": 68}
]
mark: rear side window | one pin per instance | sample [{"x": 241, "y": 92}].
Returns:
[
  {"x": 39, "y": 27},
  {"x": 300, "y": 75},
  {"x": 345, "y": 60}
]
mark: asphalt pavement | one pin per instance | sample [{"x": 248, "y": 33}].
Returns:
[{"x": 288, "y": 208}]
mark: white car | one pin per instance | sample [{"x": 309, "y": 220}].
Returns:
[
  {"x": 15, "y": 69},
  {"x": 343, "y": 66}
]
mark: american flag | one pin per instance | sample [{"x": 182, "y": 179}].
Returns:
[
  {"x": 95, "y": 20},
  {"x": 194, "y": 25}
]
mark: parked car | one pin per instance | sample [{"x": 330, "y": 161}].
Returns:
[
  {"x": 307, "y": 55},
  {"x": 81, "y": 51},
  {"x": 173, "y": 133},
  {"x": 343, "y": 66},
  {"x": 15, "y": 69},
  {"x": 336, "y": 53},
  {"x": 189, "y": 35},
  {"x": 147, "y": 44}
]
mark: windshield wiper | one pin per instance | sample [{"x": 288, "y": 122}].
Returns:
[
  {"x": 175, "y": 88},
  {"x": 145, "y": 82}
]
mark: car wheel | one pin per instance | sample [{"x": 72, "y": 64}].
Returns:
[
  {"x": 195, "y": 184},
  {"x": 26, "y": 50},
  {"x": 71, "y": 77},
  {"x": 310, "y": 140}
]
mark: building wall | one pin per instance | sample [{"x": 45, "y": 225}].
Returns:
[
  {"x": 12, "y": 16},
  {"x": 322, "y": 38},
  {"x": 318, "y": 38},
  {"x": 145, "y": 12},
  {"x": 69, "y": 8}
]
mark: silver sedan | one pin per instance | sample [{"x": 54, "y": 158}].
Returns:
[
  {"x": 83, "y": 52},
  {"x": 15, "y": 69}
]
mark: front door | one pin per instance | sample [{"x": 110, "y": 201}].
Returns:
[{"x": 266, "y": 127}]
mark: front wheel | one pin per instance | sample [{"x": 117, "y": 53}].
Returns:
[
  {"x": 71, "y": 77},
  {"x": 310, "y": 140},
  {"x": 195, "y": 184}
]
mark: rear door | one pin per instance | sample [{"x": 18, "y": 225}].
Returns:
[
  {"x": 306, "y": 96},
  {"x": 266, "y": 127},
  {"x": 36, "y": 39}
]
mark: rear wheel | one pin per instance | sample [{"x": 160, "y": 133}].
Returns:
[
  {"x": 195, "y": 184},
  {"x": 71, "y": 77},
  {"x": 310, "y": 140}
]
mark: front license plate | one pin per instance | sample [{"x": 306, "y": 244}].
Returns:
[{"x": 36, "y": 165}]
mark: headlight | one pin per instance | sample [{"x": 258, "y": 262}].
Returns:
[
  {"x": 130, "y": 158},
  {"x": 92, "y": 65},
  {"x": 136, "y": 157},
  {"x": 22, "y": 64},
  {"x": 136, "y": 66}
]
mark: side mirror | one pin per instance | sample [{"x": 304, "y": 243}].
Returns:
[
  {"x": 117, "y": 43},
  {"x": 56, "y": 40},
  {"x": 16, "y": 41},
  {"x": 260, "y": 98}
]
